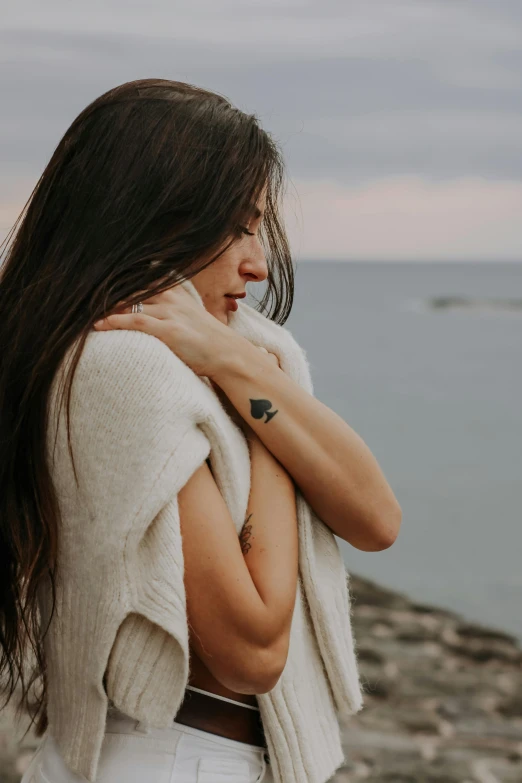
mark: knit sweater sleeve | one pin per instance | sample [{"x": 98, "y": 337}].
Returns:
[{"x": 135, "y": 438}]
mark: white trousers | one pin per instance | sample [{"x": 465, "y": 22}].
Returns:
[{"x": 133, "y": 753}]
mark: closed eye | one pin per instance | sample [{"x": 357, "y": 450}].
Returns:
[{"x": 246, "y": 231}]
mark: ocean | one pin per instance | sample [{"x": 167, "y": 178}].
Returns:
[{"x": 436, "y": 394}]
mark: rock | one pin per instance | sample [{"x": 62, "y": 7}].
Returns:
[
  {"x": 370, "y": 655},
  {"x": 368, "y": 593},
  {"x": 443, "y": 696},
  {"x": 475, "y": 631},
  {"x": 485, "y": 305},
  {"x": 512, "y": 706},
  {"x": 418, "y": 720}
]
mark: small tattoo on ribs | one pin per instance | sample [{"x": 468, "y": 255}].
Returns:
[
  {"x": 245, "y": 534},
  {"x": 258, "y": 408}
]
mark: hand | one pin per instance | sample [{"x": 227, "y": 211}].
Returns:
[{"x": 199, "y": 339}]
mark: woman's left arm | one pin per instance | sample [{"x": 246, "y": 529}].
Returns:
[{"x": 334, "y": 469}]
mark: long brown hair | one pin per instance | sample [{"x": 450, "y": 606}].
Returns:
[{"x": 147, "y": 187}]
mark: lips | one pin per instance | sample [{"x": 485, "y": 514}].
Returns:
[{"x": 231, "y": 303}]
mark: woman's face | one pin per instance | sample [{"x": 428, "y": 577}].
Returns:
[{"x": 229, "y": 274}]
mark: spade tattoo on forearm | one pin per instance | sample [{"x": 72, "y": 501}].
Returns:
[
  {"x": 258, "y": 408},
  {"x": 245, "y": 534}
]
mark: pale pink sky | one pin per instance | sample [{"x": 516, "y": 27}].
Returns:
[{"x": 400, "y": 120}]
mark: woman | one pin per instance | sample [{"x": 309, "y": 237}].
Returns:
[{"x": 170, "y": 642}]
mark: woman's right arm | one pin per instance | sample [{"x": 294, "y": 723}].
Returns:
[{"x": 241, "y": 590}]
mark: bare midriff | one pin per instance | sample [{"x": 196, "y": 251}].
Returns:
[{"x": 201, "y": 677}]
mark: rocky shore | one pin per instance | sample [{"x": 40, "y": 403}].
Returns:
[
  {"x": 443, "y": 699},
  {"x": 488, "y": 305},
  {"x": 443, "y": 696}
]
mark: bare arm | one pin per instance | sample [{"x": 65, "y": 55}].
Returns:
[
  {"x": 332, "y": 466},
  {"x": 241, "y": 589},
  {"x": 334, "y": 469},
  {"x": 269, "y": 541}
]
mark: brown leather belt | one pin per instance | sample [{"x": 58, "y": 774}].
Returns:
[{"x": 222, "y": 718}]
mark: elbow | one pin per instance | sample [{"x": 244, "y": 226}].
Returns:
[
  {"x": 386, "y": 528},
  {"x": 258, "y": 671},
  {"x": 378, "y": 532},
  {"x": 268, "y": 669}
]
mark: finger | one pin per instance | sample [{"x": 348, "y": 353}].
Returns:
[
  {"x": 123, "y": 310},
  {"x": 137, "y": 321},
  {"x": 159, "y": 311}
]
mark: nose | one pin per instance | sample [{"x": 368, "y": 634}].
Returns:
[{"x": 254, "y": 265}]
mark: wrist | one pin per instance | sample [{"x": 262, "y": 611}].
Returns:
[{"x": 239, "y": 359}]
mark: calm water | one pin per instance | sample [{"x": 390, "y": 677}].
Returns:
[{"x": 437, "y": 396}]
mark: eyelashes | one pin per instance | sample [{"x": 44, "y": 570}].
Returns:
[{"x": 244, "y": 230}]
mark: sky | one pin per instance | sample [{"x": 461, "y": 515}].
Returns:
[{"x": 400, "y": 120}]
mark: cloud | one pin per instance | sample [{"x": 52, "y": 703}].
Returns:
[
  {"x": 406, "y": 219},
  {"x": 435, "y": 143},
  {"x": 354, "y": 91},
  {"x": 414, "y": 100},
  {"x": 259, "y": 30}
]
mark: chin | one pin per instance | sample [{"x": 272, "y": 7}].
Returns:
[{"x": 223, "y": 317}]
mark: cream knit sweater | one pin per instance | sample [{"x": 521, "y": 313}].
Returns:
[{"x": 142, "y": 422}]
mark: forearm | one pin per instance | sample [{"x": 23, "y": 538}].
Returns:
[
  {"x": 269, "y": 539},
  {"x": 331, "y": 465}
]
